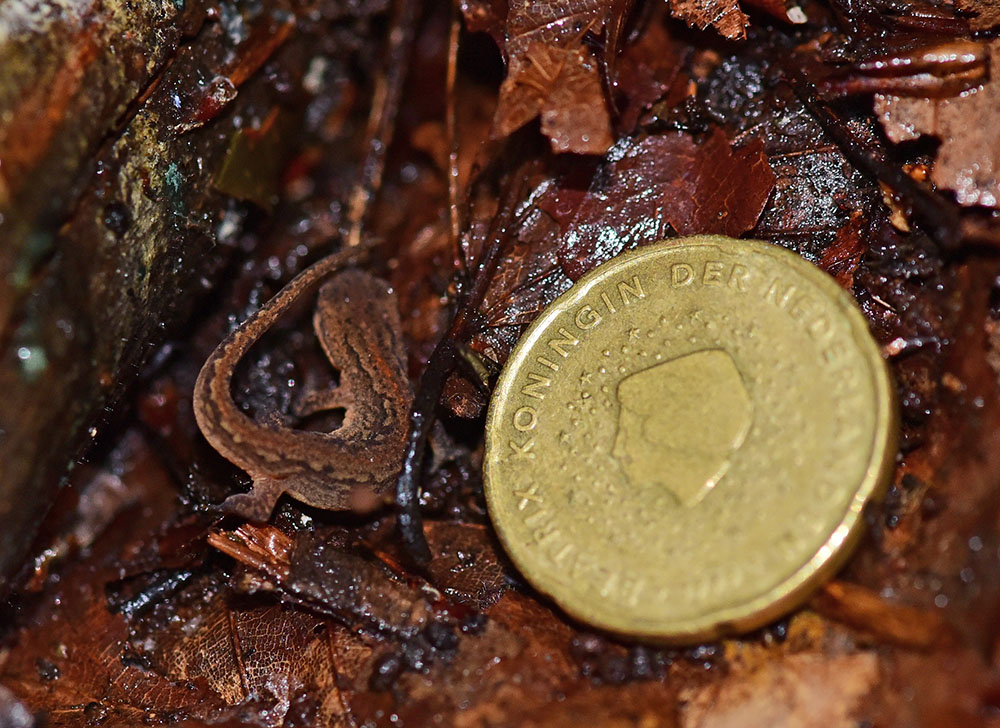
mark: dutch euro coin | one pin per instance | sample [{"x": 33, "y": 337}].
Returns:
[{"x": 682, "y": 444}]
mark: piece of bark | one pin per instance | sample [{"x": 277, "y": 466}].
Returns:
[
  {"x": 71, "y": 70},
  {"x": 117, "y": 215}
]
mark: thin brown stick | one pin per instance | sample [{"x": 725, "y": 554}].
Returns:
[
  {"x": 382, "y": 117},
  {"x": 451, "y": 127}
]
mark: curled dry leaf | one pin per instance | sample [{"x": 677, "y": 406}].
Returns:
[{"x": 968, "y": 161}]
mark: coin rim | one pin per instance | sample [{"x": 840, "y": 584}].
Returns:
[{"x": 828, "y": 559}]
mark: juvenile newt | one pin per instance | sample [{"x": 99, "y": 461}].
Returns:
[{"x": 358, "y": 325}]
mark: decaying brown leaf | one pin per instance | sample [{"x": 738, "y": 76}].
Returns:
[
  {"x": 648, "y": 70},
  {"x": 330, "y": 578},
  {"x": 552, "y": 71},
  {"x": 968, "y": 161},
  {"x": 466, "y": 565},
  {"x": 727, "y": 17},
  {"x": 524, "y": 675},
  {"x": 841, "y": 259},
  {"x": 251, "y": 653}
]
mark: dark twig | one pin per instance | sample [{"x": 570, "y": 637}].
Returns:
[
  {"x": 411, "y": 523},
  {"x": 442, "y": 362}
]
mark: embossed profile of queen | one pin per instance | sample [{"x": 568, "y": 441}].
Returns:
[{"x": 680, "y": 423}]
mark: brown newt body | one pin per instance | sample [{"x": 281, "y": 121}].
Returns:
[{"x": 358, "y": 325}]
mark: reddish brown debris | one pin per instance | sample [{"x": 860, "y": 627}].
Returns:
[
  {"x": 985, "y": 13},
  {"x": 143, "y": 605}
]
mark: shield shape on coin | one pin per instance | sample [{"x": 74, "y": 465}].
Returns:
[{"x": 680, "y": 422}]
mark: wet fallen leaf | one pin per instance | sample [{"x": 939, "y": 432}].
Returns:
[
  {"x": 250, "y": 652},
  {"x": 524, "y": 676},
  {"x": 70, "y": 665},
  {"x": 648, "y": 70},
  {"x": 466, "y": 564},
  {"x": 662, "y": 183},
  {"x": 842, "y": 257},
  {"x": 645, "y": 190}
]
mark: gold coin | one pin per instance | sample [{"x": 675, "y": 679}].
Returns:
[{"x": 682, "y": 444}]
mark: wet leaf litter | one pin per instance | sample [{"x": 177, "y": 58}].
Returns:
[{"x": 323, "y": 619}]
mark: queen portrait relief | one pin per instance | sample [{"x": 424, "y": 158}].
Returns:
[{"x": 680, "y": 422}]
